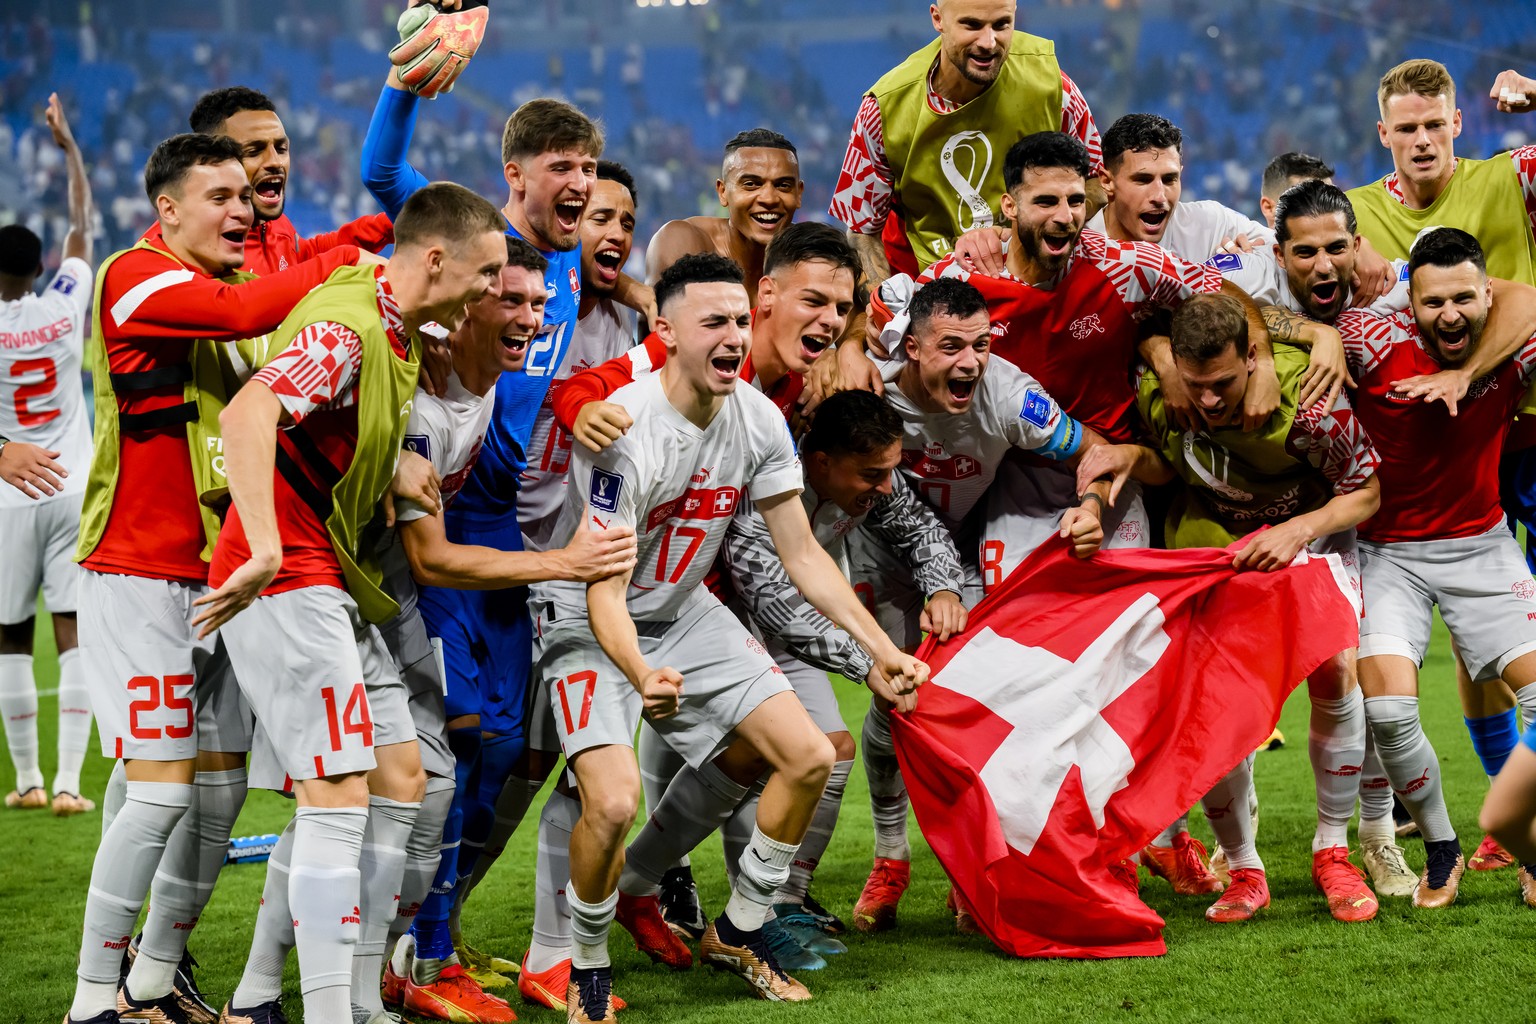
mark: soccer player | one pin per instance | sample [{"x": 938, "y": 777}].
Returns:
[
  {"x": 1286, "y": 170},
  {"x": 1308, "y": 474},
  {"x": 43, "y": 425},
  {"x": 143, "y": 535},
  {"x": 1440, "y": 538},
  {"x": 311, "y": 442},
  {"x": 759, "y": 188},
  {"x": 926, "y": 136},
  {"x": 274, "y": 244},
  {"x": 698, "y": 446}
]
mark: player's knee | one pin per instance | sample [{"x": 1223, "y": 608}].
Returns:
[
  {"x": 843, "y": 747},
  {"x": 811, "y": 767},
  {"x": 611, "y": 812},
  {"x": 398, "y": 774},
  {"x": 16, "y": 637}
]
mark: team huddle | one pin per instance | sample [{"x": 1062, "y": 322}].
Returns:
[{"x": 401, "y": 536}]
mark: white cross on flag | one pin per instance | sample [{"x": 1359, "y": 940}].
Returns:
[{"x": 1088, "y": 704}]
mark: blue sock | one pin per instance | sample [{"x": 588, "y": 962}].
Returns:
[
  {"x": 497, "y": 756},
  {"x": 1493, "y": 738},
  {"x": 433, "y": 941}
]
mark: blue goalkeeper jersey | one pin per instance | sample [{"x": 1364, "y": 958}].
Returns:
[{"x": 490, "y": 493}]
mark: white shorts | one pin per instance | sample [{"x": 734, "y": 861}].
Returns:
[
  {"x": 814, "y": 688},
  {"x": 37, "y": 550},
  {"x": 420, "y": 664},
  {"x": 1024, "y": 509},
  {"x": 539, "y": 727},
  {"x": 726, "y": 673},
  {"x": 321, "y": 683},
  {"x": 158, "y": 692},
  {"x": 1481, "y": 584}
]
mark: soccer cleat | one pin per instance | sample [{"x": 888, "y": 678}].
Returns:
[
  {"x": 31, "y": 800},
  {"x": 1443, "y": 868},
  {"x": 1219, "y": 867},
  {"x": 1490, "y": 856},
  {"x": 1405, "y": 824},
  {"x": 589, "y": 997},
  {"x": 68, "y": 804},
  {"x": 487, "y": 970},
  {"x": 787, "y": 950},
  {"x": 189, "y": 998},
  {"x": 1246, "y": 896},
  {"x": 1184, "y": 865},
  {"x": 392, "y": 987},
  {"x": 753, "y": 963},
  {"x": 270, "y": 1012},
  {"x": 363, "y": 1015},
  {"x": 965, "y": 924},
  {"x": 1275, "y": 742},
  {"x": 641, "y": 917},
  {"x": 825, "y": 919},
  {"x": 801, "y": 923},
  {"x": 1390, "y": 874},
  {"x": 876, "y": 909},
  {"x": 160, "y": 1010},
  {"x": 455, "y": 996},
  {"x": 549, "y": 987},
  {"x": 680, "y": 906},
  {"x": 1528, "y": 884},
  {"x": 1349, "y": 897},
  {"x": 104, "y": 1017}
]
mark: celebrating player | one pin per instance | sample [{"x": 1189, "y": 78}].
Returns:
[{"x": 45, "y": 446}]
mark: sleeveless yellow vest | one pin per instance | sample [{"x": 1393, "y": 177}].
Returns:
[
  {"x": 1235, "y": 481},
  {"x": 1483, "y": 199},
  {"x": 212, "y": 373},
  {"x": 386, "y": 389},
  {"x": 948, "y": 168}
]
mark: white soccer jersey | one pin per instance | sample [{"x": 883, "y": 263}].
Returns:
[
  {"x": 678, "y": 486},
  {"x": 42, "y": 344},
  {"x": 605, "y": 332},
  {"x": 1197, "y": 228},
  {"x": 1258, "y": 273},
  {"x": 950, "y": 459}
]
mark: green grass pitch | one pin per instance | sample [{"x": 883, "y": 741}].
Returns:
[{"x": 1292, "y": 964}]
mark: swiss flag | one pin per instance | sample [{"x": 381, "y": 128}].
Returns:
[{"x": 1088, "y": 704}]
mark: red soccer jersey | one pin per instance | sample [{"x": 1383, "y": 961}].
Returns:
[
  {"x": 1439, "y": 474},
  {"x": 275, "y": 245},
  {"x": 599, "y": 382},
  {"x": 152, "y": 307},
  {"x": 315, "y": 378}
]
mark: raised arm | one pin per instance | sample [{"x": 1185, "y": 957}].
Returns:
[
  {"x": 78, "y": 242},
  {"x": 387, "y": 174}
]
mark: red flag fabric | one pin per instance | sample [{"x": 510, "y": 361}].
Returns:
[{"x": 1088, "y": 704}]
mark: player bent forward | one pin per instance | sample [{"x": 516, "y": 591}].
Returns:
[
  {"x": 1309, "y": 475},
  {"x": 665, "y": 646}
]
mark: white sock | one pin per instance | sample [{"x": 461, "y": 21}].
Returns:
[
  {"x": 1226, "y": 809},
  {"x": 698, "y": 801},
  {"x": 760, "y": 873},
  {"x": 1411, "y": 763},
  {"x": 1169, "y": 834},
  {"x": 381, "y": 869},
  {"x": 512, "y": 805},
  {"x": 74, "y": 722},
  {"x": 18, "y": 704},
  {"x": 423, "y": 851},
  {"x": 324, "y": 893},
  {"x": 272, "y": 937},
  {"x": 1336, "y": 746},
  {"x": 589, "y": 928},
  {"x": 552, "y": 870}
]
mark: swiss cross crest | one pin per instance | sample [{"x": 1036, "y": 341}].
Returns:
[
  {"x": 575, "y": 280},
  {"x": 1085, "y": 326},
  {"x": 725, "y": 500},
  {"x": 1524, "y": 589}
]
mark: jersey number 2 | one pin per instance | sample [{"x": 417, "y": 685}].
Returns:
[{"x": 41, "y": 389}]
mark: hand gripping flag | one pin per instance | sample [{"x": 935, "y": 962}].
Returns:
[{"x": 1088, "y": 704}]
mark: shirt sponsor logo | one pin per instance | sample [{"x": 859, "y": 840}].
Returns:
[
  {"x": 696, "y": 503},
  {"x": 931, "y": 466},
  {"x": 421, "y": 444},
  {"x": 1037, "y": 408},
  {"x": 604, "y": 495}
]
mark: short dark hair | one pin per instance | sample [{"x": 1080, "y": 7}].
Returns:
[
  {"x": 1043, "y": 151},
  {"x": 852, "y": 423},
  {"x": 1446, "y": 247},
  {"x": 948, "y": 295},
  {"x": 1311, "y": 198},
  {"x": 1140, "y": 133},
  {"x": 759, "y": 138},
  {"x": 810, "y": 240},
  {"x": 168, "y": 165},
  {"x": 21, "y": 251},
  {"x": 445, "y": 212},
  {"x": 521, "y": 254},
  {"x": 695, "y": 268},
  {"x": 548, "y": 126},
  {"x": 1280, "y": 171},
  {"x": 1205, "y": 325},
  {"x": 218, "y": 106},
  {"x": 612, "y": 170}
]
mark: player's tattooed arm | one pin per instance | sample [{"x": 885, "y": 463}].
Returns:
[
  {"x": 871, "y": 250},
  {"x": 1511, "y": 323},
  {"x": 1327, "y": 369}
]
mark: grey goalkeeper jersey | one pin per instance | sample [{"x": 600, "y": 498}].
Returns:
[{"x": 900, "y": 521}]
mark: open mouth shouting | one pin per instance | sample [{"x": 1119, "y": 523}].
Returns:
[
  {"x": 1327, "y": 294},
  {"x": 962, "y": 389},
  {"x": 234, "y": 240},
  {"x": 727, "y": 367},
  {"x": 1153, "y": 221},
  {"x": 1057, "y": 244},
  {"x": 1453, "y": 341},
  {"x": 267, "y": 192},
  {"x": 606, "y": 263},
  {"x": 812, "y": 346},
  {"x": 568, "y": 214}
]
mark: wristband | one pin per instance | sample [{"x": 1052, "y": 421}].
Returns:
[{"x": 1084, "y": 497}]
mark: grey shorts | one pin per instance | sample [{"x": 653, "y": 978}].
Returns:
[
  {"x": 158, "y": 692},
  {"x": 420, "y": 664},
  {"x": 1481, "y": 585},
  {"x": 726, "y": 673},
  {"x": 37, "y": 552},
  {"x": 320, "y": 681},
  {"x": 814, "y": 688},
  {"x": 884, "y": 582}
]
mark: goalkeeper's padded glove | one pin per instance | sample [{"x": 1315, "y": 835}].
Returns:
[{"x": 435, "y": 46}]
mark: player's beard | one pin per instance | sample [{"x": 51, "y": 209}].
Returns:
[
  {"x": 1474, "y": 335},
  {"x": 1031, "y": 242},
  {"x": 962, "y": 63}
]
